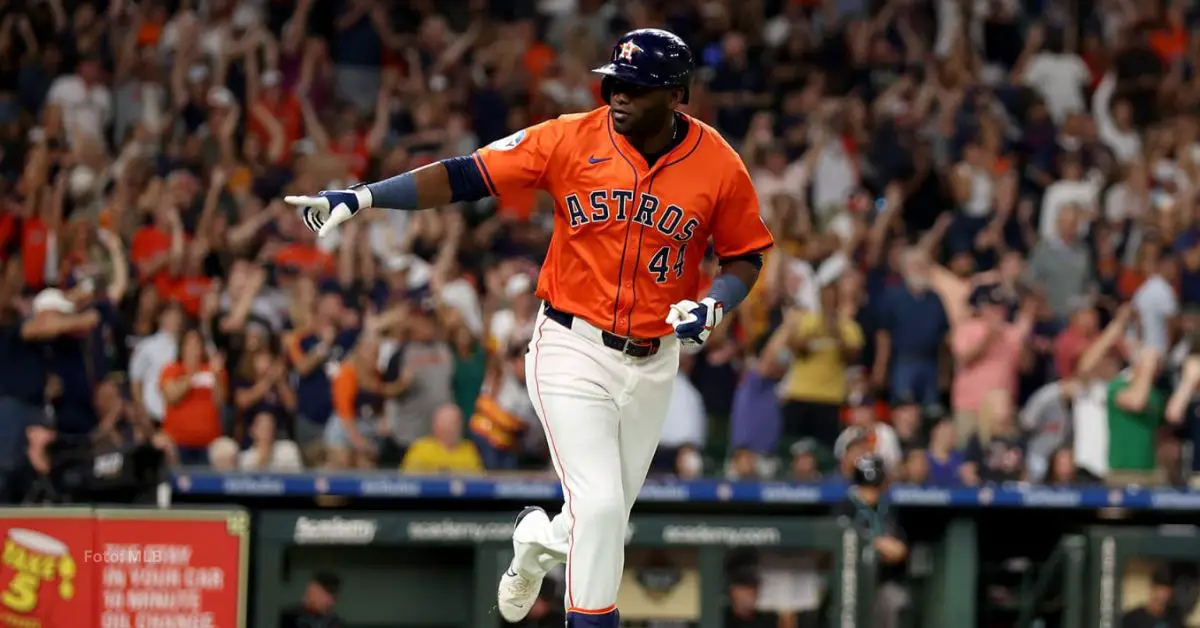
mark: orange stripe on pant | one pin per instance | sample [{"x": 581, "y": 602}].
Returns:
[{"x": 584, "y": 611}]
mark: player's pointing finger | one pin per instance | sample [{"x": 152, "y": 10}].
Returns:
[{"x": 303, "y": 201}]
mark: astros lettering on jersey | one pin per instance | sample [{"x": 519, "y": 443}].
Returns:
[{"x": 628, "y": 237}]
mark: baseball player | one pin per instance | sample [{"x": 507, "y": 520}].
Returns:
[{"x": 640, "y": 189}]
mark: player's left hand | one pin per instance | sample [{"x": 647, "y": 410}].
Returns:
[
  {"x": 329, "y": 208},
  {"x": 693, "y": 322}
]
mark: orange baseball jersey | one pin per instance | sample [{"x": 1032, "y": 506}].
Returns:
[{"x": 628, "y": 238}]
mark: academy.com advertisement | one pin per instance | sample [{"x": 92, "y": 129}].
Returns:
[
  {"x": 363, "y": 529},
  {"x": 79, "y": 568}
]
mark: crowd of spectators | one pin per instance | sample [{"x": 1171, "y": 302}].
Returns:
[{"x": 987, "y": 263}]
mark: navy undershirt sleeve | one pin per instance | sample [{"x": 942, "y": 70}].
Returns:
[{"x": 466, "y": 180}]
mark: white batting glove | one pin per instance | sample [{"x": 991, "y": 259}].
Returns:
[
  {"x": 693, "y": 322},
  {"x": 329, "y": 208}
]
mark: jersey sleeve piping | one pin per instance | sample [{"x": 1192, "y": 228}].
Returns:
[
  {"x": 487, "y": 177},
  {"x": 759, "y": 250}
]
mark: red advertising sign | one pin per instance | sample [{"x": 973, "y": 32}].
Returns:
[
  {"x": 170, "y": 568},
  {"x": 79, "y": 568},
  {"x": 44, "y": 581}
]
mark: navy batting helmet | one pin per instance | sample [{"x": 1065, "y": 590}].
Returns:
[{"x": 649, "y": 57}]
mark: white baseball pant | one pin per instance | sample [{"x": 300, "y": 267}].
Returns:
[{"x": 603, "y": 413}]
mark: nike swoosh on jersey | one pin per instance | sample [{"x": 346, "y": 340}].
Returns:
[{"x": 598, "y": 160}]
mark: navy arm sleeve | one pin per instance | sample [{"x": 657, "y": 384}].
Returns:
[
  {"x": 754, "y": 259},
  {"x": 466, "y": 180}
]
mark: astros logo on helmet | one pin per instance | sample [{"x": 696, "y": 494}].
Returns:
[{"x": 626, "y": 51}]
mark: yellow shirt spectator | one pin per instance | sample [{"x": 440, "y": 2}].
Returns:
[
  {"x": 429, "y": 455},
  {"x": 818, "y": 374}
]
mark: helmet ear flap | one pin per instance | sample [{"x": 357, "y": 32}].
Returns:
[{"x": 606, "y": 89}]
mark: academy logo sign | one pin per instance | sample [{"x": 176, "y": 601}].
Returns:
[{"x": 335, "y": 531}]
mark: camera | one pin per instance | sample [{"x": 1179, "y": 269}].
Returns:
[{"x": 124, "y": 475}]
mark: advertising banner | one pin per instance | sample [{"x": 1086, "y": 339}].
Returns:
[
  {"x": 171, "y": 568},
  {"x": 45, "y": 579},
  {"x": 81, "y": 568}
]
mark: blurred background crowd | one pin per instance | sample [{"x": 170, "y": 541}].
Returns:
[{"x": 987, "y": 263}]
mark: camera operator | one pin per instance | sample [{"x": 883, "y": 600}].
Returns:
[
  {"x": 868, "y": 512},
  {"x": 116, "y": 465}
]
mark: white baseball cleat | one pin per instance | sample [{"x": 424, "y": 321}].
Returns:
[{"x": 518, "y": 591}]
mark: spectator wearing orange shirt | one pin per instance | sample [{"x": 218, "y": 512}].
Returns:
[
  {"x": 355, "y": 433},
  {"x": 157, "y": 249},
  {"x": 300, "y": 253},
  {"x": 194, "y": 388},
  {"x": 1169, "y": 41},
  {"x": 538, "y": 57},
  {"x": 304, "y": 258},
  {"x": 191, "y": 286}
]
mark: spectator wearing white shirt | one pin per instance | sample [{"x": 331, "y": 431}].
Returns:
[
  {"x": 834, "y": 175},
  {"x": 1047, "y": 419},
  {"x": 1129, "y": 198},
  {"x": 1058, "y": 75},
  {"x": 1072, "y": 189},
  {"x": 223, "y": 455},
  {"x": 1097, "y": 367},
  {"x": 82, "y": 103},
  {"x": 266, "y": 452},
  {"x": 974, "y": 183},
  {"x": 1157, "y": 305},
  {"x": 1114, "y": 121},
  {"x": 150, "y": 356},
  {"x": 515, "y": 322}
]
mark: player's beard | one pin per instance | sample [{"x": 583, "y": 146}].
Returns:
[
  {"x": 628, "y": 122},
  {"x": 643, "y": 124}
]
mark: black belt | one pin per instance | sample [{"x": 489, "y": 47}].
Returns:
[{"x": 631, "y": 347}]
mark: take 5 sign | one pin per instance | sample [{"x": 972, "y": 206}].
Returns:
[
  {"x": 44, "y": 581},
  {"x": 82, "y": 568}
]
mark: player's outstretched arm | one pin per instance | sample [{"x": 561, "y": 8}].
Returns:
[
  {"x": 453, "y": 180},
  {"x": 518, "y": 162}
]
